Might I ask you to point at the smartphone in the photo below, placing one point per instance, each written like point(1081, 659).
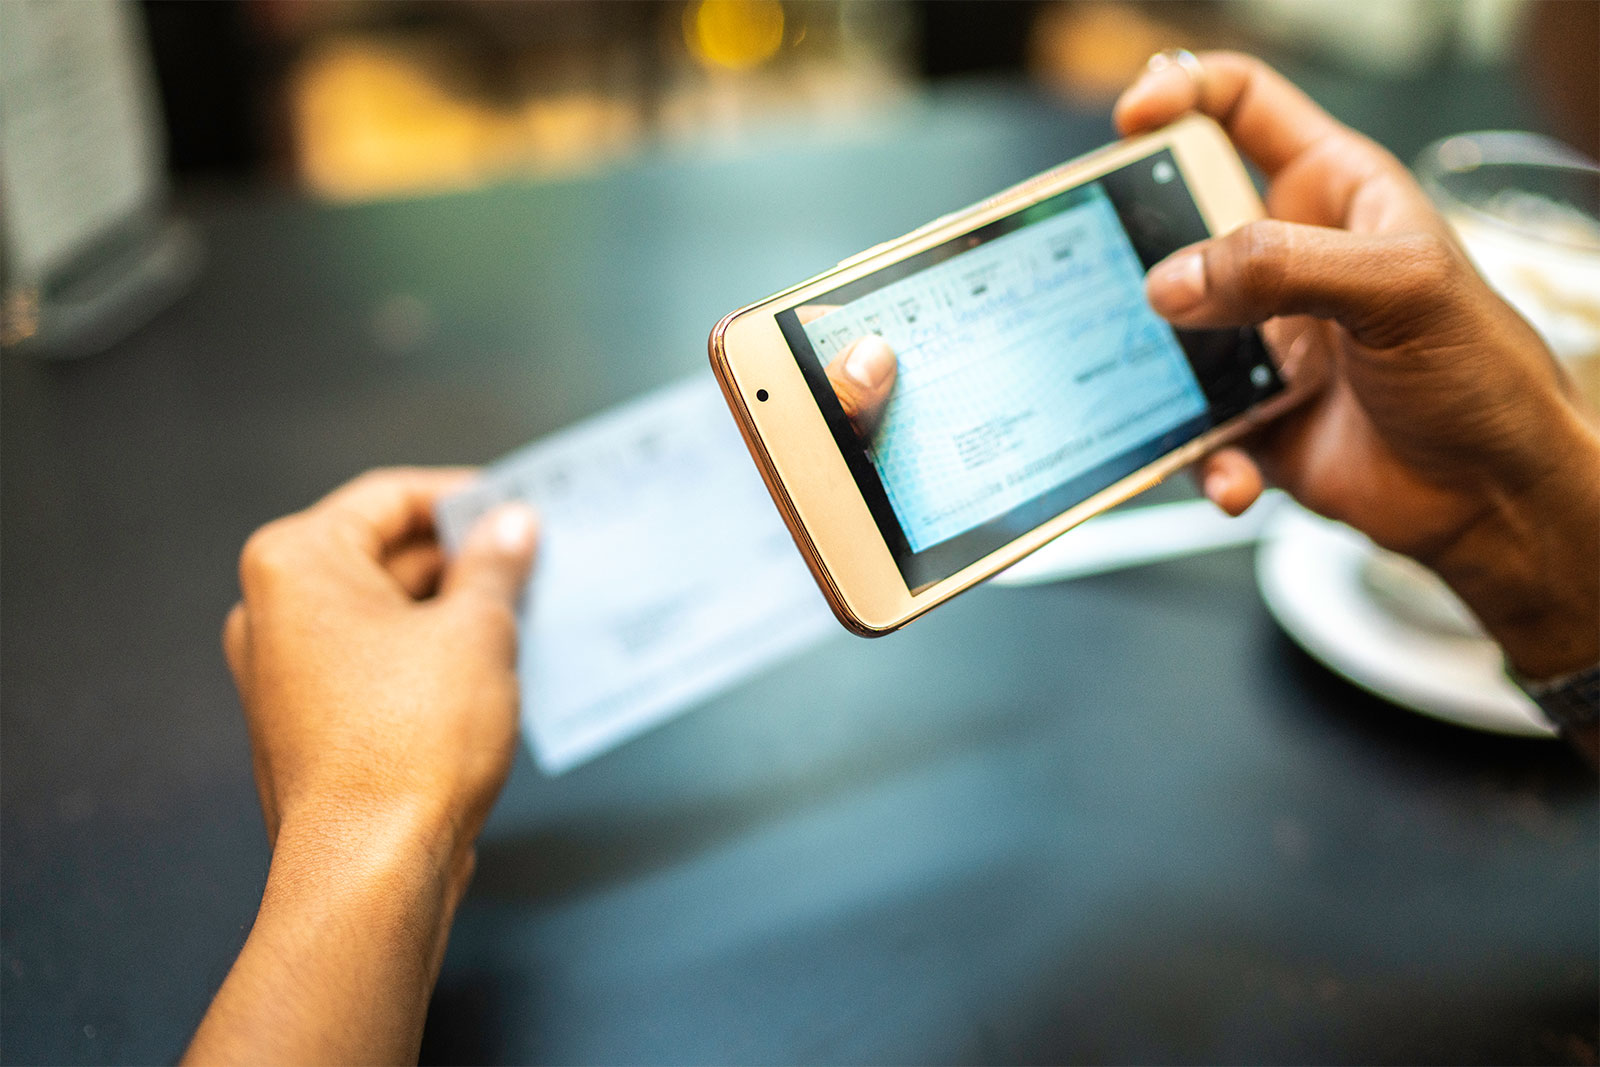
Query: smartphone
point(1035, 386)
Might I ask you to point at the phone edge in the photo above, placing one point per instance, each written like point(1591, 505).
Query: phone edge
point(1146, 477)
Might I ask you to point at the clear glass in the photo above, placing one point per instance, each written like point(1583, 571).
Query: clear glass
point(1527, 210)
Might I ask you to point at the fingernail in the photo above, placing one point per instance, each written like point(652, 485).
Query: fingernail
point(514, 528)
point(1156, 72)
point(1177, 283)
point(870, 362)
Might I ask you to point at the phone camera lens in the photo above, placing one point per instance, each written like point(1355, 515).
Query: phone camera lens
point(1163, 172)
point(761, 395)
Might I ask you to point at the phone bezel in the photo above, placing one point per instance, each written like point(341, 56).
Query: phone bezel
point(800, 461)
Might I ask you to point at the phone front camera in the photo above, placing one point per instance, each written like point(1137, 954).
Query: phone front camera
point(761, 395)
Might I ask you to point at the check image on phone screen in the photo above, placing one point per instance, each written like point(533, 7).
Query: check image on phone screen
point(1032, 371)
point(986, 413)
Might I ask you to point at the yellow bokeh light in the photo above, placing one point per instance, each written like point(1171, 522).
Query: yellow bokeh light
point(734, 34)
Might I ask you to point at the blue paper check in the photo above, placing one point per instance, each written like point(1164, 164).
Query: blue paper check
point(665, 575)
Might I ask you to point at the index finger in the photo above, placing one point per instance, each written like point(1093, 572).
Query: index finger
point(1266, 116)
point(385, 508)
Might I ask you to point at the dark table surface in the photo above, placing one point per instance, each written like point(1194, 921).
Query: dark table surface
point(1118, 819)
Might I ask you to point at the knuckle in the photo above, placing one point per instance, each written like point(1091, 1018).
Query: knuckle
point(269, 554)
point(1241, 69)
point(1429, 266)
point(1423, 273)
point(1244, 62)
point(1257, 260)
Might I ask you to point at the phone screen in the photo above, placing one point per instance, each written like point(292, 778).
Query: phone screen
point(1032, 371)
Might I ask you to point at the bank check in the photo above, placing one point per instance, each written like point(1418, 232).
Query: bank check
point(664, 574)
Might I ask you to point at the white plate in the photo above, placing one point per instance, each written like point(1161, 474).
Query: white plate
point(1310, 572)
point(1134, 537)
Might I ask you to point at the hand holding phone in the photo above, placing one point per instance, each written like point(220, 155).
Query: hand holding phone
point(1031, 386)
point(1445, 429)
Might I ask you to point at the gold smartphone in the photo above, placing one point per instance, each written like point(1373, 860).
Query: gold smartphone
point(1034, 385)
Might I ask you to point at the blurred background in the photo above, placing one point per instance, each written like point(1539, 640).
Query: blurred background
point(360, 99)
point(294, 240)
point(106, 105)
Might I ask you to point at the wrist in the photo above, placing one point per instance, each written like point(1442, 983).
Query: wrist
point(342, 959)
point(402, 870)
point(334, 817)
point(1529, 567)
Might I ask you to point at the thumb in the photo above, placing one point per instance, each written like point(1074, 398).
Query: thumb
point(1385, 289)
point(493, 564)
point(862, 377)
